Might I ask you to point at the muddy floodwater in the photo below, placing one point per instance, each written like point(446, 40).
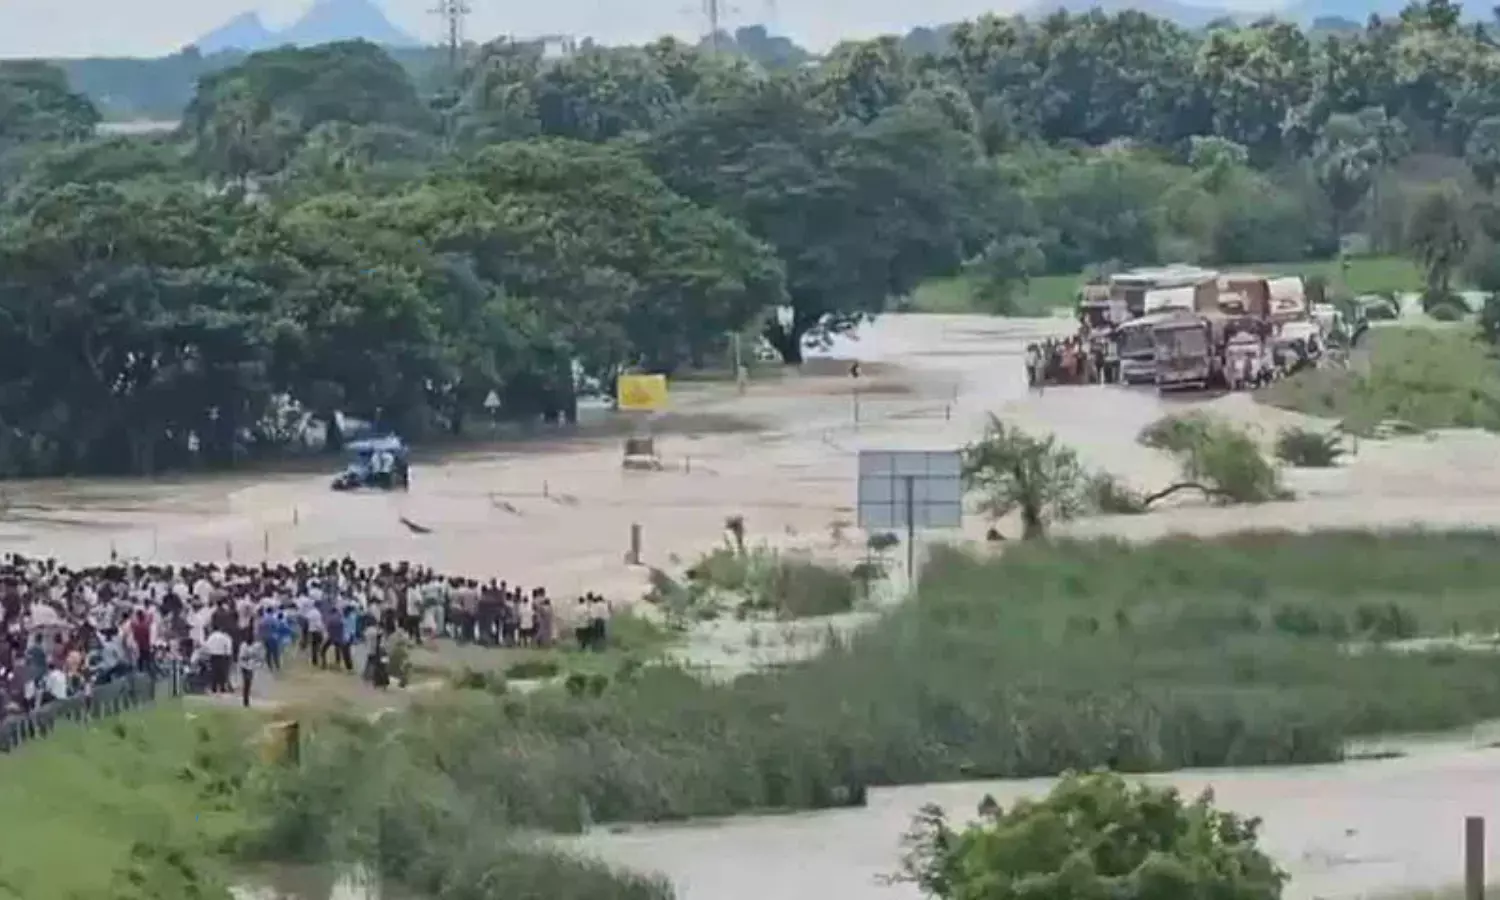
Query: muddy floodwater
point(1353, 830)
point(559, 513)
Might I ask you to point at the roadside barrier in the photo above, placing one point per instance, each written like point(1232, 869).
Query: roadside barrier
point(104, 701)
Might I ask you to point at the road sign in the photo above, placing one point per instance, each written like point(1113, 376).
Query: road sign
point(641, 393)
point(910, 489)
point(492, 401)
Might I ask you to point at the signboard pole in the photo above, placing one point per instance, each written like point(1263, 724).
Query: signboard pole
point(893, 482)
point(911, 532)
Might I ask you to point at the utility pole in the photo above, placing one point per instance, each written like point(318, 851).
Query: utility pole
point(453, 13)
point(711, 10)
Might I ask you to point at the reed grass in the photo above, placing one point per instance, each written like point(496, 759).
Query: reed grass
point(1059, 655)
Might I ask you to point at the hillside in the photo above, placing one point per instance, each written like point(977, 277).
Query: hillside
point(325, 22)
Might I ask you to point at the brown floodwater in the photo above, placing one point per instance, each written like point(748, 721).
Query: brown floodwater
point(561, 516)
point(1351, 830)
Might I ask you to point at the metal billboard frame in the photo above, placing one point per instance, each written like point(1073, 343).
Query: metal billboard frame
point(910, 489)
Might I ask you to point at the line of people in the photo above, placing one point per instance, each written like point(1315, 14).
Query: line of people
point(66, 629)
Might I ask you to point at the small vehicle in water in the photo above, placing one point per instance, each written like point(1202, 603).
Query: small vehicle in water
point(379, 462)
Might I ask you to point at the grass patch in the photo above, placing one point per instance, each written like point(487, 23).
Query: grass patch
point(142, 806)
point(1427, 378)
point(1058, 655)
point(1379, 274)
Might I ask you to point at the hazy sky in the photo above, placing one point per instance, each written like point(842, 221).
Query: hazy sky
point(154, 27)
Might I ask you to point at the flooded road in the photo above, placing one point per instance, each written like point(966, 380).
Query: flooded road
point(560, 514)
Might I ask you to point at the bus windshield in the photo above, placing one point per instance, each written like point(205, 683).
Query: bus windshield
point(1182, 340)
point(1135, 342)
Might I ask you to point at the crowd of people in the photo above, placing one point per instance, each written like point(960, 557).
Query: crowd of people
point(1075, 359)
point(69, 630)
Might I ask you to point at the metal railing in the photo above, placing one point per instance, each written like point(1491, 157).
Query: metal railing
point(106, 700)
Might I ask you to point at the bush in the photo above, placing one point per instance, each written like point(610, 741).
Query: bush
point(467, 679)
point(1216, 455)
point(1093, 836)
point(1308, 449)
point(1178, 433)
point(1109, 495)
point(533, 669)
point(767, 581)
point(1431, 378)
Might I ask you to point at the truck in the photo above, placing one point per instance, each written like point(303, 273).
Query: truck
point(1187, 350)
point(1144, 291)
point(1137, 349)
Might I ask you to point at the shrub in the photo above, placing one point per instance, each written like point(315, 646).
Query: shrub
point(1110, 495)
point(1215, 455)
point(764, 580)
point(1093, 836)
point(1308, 449)
point(533, 669)
point(1385, 621)
point(800, 588)
point(1177, 433)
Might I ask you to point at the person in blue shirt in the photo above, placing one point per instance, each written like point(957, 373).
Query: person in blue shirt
point(269, 632)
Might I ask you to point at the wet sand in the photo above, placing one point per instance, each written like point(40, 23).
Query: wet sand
point(561, 516)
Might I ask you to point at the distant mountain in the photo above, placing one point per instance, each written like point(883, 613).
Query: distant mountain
point(245, 30)
point(327, 21)
point(345, 20)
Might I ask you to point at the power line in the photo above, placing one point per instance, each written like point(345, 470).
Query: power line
point(453, 13)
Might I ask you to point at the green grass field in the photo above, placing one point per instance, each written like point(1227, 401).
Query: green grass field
point(1368, 275)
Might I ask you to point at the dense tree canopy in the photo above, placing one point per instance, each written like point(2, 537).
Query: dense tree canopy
point(337, 230)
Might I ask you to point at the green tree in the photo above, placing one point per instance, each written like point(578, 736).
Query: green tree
point(37, 105)
point(1482, 151)
point(251, 118)
point(1093, 836)
point(857, 211)
point(1003, 272)
point(1346, 159)
point(1013, 471)
point(1437, 235)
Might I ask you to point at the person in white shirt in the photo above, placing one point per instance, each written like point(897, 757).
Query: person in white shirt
point(56, 684)
point(251, 659)
point(219, 647)
point(316, 635)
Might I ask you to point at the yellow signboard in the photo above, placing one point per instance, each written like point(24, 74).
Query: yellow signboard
point(641, 393)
